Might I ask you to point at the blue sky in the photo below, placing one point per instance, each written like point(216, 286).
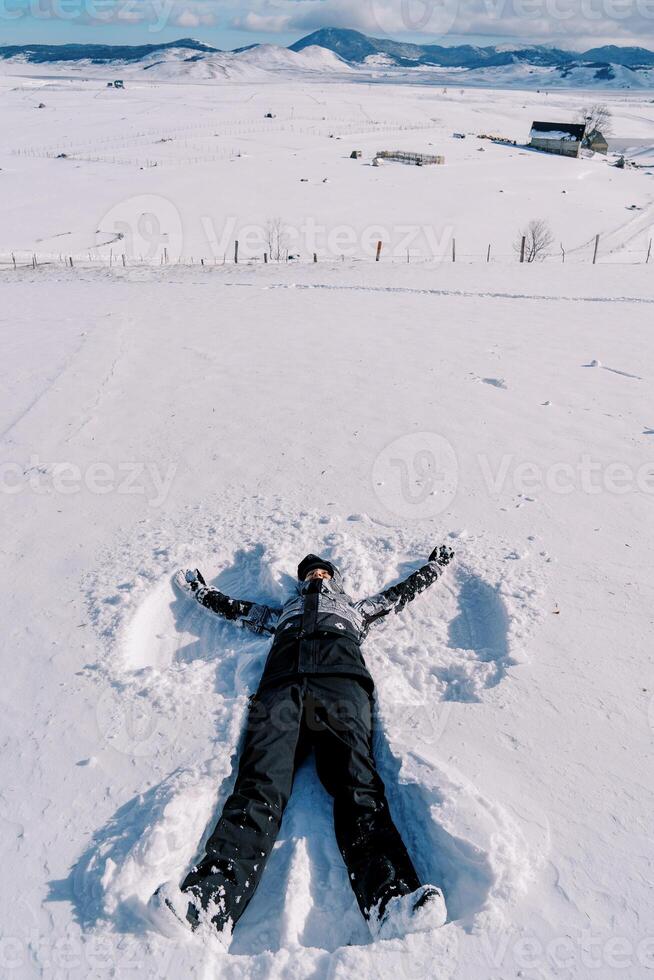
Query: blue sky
point(232, 23)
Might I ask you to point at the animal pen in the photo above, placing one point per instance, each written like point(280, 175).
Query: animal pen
point(416, 159)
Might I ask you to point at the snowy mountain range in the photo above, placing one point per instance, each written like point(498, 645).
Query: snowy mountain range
point(332, 50)
point(355, 47)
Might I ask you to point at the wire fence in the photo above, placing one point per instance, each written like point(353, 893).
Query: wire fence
point(590, 253)
point(180, 146)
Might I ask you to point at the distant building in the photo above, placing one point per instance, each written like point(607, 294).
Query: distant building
point(596, 142)
point(553, 137)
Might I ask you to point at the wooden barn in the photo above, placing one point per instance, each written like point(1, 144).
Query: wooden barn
point(554, 137)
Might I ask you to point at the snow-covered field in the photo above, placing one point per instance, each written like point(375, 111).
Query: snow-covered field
point(236, 417)
point(185, 169)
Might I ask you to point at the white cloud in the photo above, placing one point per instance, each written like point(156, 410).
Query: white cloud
point(192, 14)
point(563, 22)
point(263, 23)
point(187, 19)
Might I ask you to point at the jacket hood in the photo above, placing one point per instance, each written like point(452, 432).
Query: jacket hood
point(310, 562)
point(334, 584)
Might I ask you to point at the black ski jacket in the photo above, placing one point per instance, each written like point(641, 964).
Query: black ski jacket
point(319, 629)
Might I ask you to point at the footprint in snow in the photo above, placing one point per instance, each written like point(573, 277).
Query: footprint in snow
point(493, 382)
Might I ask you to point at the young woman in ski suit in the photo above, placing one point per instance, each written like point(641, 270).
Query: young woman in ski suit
point(315, 692)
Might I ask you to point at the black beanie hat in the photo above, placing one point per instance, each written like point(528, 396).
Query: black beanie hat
point(309, 563)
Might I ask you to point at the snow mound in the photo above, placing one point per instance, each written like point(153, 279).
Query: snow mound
point(178, 65)
point(249, 65)
point(272, 57)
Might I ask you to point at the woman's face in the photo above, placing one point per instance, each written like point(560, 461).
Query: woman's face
point(317, 573)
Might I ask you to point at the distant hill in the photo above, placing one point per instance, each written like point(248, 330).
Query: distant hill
point(630, 57)
point(356, 47)
point(332, 51)
point(98, 54)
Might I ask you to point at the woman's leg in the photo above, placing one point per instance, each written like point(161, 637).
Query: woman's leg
point(339, 722)
point(238, 849)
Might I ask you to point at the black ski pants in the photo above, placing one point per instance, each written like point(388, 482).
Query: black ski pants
point(332, 715)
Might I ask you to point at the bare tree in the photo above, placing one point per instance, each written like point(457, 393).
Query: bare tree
point(277, 239)
point(598, 119)
point(538, 238)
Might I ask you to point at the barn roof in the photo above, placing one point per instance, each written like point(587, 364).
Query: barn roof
point(558, 131)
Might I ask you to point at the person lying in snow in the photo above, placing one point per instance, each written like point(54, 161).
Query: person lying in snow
point(315, 692)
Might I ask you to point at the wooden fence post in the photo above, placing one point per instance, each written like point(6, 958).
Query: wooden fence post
point(523, 244)
point(13, 259)
point(488, 254)
point(265, 258)
point(315, 257)
point(597, 238)
point(236, 252)
point(124, 261)
point(454, 249)
point(379, 248)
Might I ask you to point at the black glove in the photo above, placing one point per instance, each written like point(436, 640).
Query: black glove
point(442, 554)
point(190, 580)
